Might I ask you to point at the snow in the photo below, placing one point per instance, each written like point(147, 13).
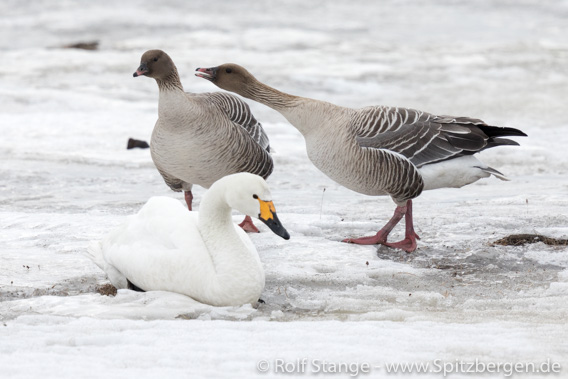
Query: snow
point(67, 179)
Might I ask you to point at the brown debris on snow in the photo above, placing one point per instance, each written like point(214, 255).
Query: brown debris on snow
point(523, 239)
point(91, 45)
point(107, 290)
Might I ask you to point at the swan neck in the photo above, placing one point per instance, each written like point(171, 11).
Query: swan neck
point(229, 255)
point(214, 213)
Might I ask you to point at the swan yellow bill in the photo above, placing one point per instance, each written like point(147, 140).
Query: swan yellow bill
point(267, 209)
point(269, 217)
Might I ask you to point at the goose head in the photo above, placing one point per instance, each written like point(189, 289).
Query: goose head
point(228, 76)
point(155, 64)
point(249, 194)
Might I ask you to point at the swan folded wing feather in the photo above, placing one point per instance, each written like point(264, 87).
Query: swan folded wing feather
point(240, 114)
point(143, 248)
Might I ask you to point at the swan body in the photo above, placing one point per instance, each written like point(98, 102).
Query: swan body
point(199, 254)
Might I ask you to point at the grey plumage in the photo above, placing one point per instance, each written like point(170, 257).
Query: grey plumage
point(200, 138)
point(222, 138)
point(378, 150)
point(424, 138)
point(240, 114)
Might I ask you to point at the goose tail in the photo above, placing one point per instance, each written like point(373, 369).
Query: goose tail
point(497, 131)
point(496, 173)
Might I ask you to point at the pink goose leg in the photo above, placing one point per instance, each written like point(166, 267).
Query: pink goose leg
point(408, 244)
point(188, 198)
point(248, 226)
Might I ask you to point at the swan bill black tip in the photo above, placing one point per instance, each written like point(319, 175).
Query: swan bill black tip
point(274, 224)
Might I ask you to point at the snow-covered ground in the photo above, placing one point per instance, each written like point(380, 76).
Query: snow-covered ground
point(67, 179)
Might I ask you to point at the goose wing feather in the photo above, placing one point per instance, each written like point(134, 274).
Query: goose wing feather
point(240, 114)
point(422, 137)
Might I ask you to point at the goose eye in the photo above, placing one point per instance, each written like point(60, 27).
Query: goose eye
point(155, 59)
point(254, 196)
point(228, 71)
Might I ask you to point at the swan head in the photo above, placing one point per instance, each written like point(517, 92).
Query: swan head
point(249, 194)
point(228, 76)
point(155, 64)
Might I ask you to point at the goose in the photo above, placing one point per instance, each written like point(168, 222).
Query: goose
point(203, 255)
point(378, 150)
point(200, 138)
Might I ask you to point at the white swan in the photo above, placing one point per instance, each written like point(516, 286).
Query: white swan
point(199, 254)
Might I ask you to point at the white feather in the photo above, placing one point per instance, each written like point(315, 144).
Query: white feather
point(202, 255)
point(453, 173)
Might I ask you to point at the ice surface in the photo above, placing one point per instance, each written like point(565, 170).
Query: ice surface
point(67, 179)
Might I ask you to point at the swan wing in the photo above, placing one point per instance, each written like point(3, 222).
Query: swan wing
point(159, 248)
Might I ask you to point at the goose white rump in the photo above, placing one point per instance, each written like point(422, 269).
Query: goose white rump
point(202, 255)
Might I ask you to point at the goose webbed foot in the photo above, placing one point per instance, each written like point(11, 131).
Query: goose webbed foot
point(248, 225)
point(408, 244)
point(380, 237)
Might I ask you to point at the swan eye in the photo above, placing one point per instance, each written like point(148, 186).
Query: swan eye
point(254, 196)
point(228, 70)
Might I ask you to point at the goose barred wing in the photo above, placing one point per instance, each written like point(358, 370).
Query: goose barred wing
point(424, 138)
point(240, 114)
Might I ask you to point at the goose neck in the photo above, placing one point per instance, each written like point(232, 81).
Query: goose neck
point(307, 115)
point(171, 82)
point(174, 106)
point(269, 96)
